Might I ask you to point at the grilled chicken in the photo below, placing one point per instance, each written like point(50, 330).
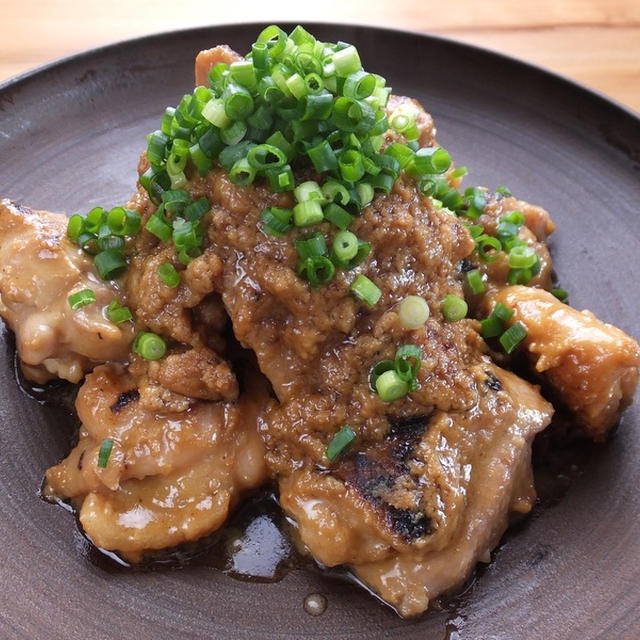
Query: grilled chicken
point(172, 475)
point(39, 269)
point(592, 365)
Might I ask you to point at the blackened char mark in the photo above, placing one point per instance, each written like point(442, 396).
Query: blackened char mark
point(492, 382)
point(124, 399)
point(381, 476)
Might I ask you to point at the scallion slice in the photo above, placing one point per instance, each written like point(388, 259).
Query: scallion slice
point(390, 386)
point(365, 290)
point(116, 313)
point(109, 264)
point(81, 299)
point(168, 274)
point(453, 308)
point(474, 279)
point(340, 443)
point(512, 337)
point(104, 453)
point(413, 312)
point(149, 345)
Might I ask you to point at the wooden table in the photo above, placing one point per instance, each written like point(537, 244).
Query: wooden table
point(596, 42)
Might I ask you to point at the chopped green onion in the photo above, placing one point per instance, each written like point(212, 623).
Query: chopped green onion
point(522, 257)
point(81, 299)
point(157, 226)
point(276, 220)
point(316, 269)
point(196, 210)
point(365, 290)
point(337, 216)
point(488, 247)
point(431, 160)
point(346, 61)
point(307, 213)
point(390, 386)
point(378, 369)
point(453, 308)
point(561, 294)
point(335, 192)
point(75, 226)
point(413, 312)
point(109, 264)
point(238, 103)
point(168, 274)
point(104, 452)
point(493, 326)
point(339, 443)
point(502, 311)
point(309, 190)
point(242, 173)
point(123, 222)
point(512, 337)
point(405, 369)
point(459, 172)
point(504, 191)
point(149, 345)
point(345, 246)
point(116, 313)
point(311, 245)
point(474, 280)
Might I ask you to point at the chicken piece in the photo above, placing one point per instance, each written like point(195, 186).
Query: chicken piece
point(413, 514)
point(40, 269)
point(171, 476)
point(533, 233)
point(592, 365)
point(536, 219)
point(208, 58)
point(317, 346)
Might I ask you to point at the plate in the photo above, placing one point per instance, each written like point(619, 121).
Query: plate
point(70, 135)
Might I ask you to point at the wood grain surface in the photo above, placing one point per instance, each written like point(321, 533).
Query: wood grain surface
point(596, 42)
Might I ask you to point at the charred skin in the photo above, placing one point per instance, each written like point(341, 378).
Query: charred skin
point(381, 476)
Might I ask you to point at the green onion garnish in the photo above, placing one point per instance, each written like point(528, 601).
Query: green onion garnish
point(390, 386)
point(474, 279)
point(149, 346)
point(512, 337)
point(123, 222)
point(116, 313)
point(109, 264)
point(413, 312)
point(317, 270)
point(365, 290)
point(407, 364)
point(105, 452)
point(453, 308)
point(493, 326)
point(345, 246)
point(561, 294)
point(81, 299)
point(276, 220)
point(504, 191)
point(339, 443)
point(293, 100)
point(168, 274)
point(522, 257)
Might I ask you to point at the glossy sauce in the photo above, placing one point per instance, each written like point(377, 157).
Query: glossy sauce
point(259, 544)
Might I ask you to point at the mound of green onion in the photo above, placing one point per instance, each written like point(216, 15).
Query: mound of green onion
point(295, 102)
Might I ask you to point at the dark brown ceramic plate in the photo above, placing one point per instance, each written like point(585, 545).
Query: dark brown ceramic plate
point(70, 135)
